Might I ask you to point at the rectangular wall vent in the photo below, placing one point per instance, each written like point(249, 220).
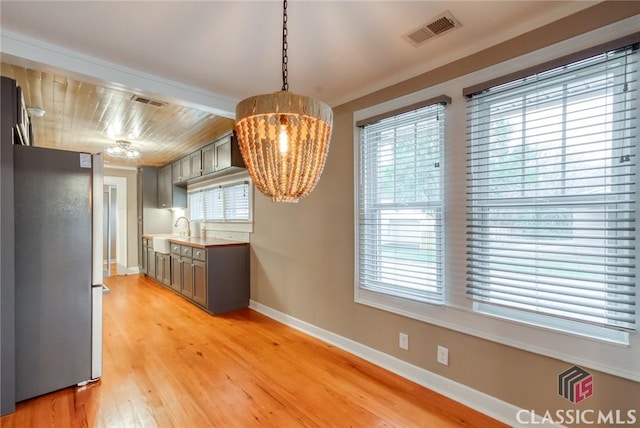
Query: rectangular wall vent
point(143, 100)
point(435, 27)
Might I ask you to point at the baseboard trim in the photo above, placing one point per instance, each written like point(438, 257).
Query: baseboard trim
point(133, 270)
point(491, 406)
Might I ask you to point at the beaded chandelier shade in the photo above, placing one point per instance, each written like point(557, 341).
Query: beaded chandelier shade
point(284, 138)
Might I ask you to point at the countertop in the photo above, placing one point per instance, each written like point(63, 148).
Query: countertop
point(196, 242)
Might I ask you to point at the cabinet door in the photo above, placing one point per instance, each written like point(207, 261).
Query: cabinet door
point(165, 187)
point(143, 257)
point(176, 273)
point(166, 269)
point(187, 277)
point(159, 266)
point(185, 165)
point(151, 263)
point(195, 162)
point(222, 150)
point(208, 159)
point(176, 172)
point(200, 282)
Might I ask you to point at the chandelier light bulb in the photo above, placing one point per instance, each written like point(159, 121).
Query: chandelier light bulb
point(284, 140)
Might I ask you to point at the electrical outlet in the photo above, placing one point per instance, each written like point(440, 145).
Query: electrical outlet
point(404, 341)
point(443, 355)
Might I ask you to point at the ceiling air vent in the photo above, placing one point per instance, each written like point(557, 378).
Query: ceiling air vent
point(435, 27)
point(143, 100)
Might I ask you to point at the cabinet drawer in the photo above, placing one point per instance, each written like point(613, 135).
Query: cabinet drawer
point(144, 242)
point(150, 243)
point(200, 254)
point(176, 249)
point(186, 251)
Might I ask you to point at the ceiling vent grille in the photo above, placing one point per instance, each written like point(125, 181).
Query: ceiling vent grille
point(435, 27)
point(143, 100)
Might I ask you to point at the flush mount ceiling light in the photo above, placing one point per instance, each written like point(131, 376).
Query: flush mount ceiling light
point(121, 149)
point(35, 111)
point(284, 137)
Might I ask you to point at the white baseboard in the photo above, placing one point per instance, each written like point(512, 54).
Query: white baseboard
point(484, 403)
point(133, 270)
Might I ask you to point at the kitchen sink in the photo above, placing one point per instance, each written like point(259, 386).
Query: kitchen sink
point(161, 244)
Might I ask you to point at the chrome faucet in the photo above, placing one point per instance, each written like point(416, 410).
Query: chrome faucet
point(188, 224)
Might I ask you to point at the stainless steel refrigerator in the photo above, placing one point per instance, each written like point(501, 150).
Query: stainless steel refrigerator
point(58, 260)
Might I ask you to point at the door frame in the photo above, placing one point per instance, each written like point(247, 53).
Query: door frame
point(120, 184)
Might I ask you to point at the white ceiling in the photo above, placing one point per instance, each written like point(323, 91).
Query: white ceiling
point(211, 54)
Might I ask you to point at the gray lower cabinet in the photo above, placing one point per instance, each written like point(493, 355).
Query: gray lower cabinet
point(143, 256)
point(163, 268)
point(176, 273)
point(151, 260)
point(187, 277)
point(227, 278)
point(200, 283)
point(215, 278)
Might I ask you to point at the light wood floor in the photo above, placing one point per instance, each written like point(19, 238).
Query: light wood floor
point(170, 364)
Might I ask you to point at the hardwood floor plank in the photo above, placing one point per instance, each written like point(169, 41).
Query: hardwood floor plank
point(168, 363)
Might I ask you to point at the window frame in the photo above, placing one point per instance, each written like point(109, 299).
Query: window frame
point(481, 115)
point(398, 295)
point(617, 356)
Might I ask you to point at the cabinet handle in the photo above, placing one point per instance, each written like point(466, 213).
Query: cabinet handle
point(198, 253)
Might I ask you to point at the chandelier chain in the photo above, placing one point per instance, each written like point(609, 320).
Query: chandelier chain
point(285, 58)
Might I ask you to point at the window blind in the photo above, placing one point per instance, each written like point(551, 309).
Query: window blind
point(196, 206)
point(551, 192)
point(221, 203)
point(400, 224)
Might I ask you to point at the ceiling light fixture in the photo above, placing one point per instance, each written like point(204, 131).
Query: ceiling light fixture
point(35, 111)
point(121, 149)
point(284, 137)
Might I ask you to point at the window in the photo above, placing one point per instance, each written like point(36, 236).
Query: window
point(522, 171)
point(551, 194)
point(400, 224)
point(222, 203)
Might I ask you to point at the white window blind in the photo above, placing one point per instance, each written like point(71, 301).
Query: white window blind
point(552, 162)
point(196, 206)
point(221, 203)
point(400, 225)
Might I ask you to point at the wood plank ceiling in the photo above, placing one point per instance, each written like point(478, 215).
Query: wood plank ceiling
point(85, 117)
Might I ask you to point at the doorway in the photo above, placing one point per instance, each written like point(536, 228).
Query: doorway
point(118, 221)
point(110, 204)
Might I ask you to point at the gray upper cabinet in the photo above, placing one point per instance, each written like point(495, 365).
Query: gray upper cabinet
point(181, 170)
point(195, 164)
point(208, 159)
point(169, 194)
point(185, 165)
point(221, 155)
point(176, 172)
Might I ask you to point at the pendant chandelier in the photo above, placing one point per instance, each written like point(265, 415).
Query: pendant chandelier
point(284, 137)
